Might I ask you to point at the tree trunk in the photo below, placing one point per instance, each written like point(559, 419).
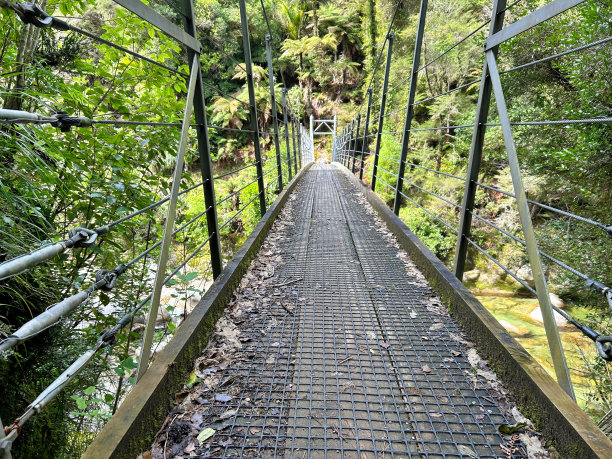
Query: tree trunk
point(372, 31)
point(25, 55)
point(315, 17)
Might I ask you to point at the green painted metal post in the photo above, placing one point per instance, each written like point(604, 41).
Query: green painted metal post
point(473, 170)
point(383, 103)
point(311, 133)
point(287, 132)
point(356, 144)
point(416, 62)
point(166, 242)
point(350, 142)
point(365, 133)
point(208, 187)
point(552, 332)
point(246, 44)
point(279, 165)
point(298, 130)
point(293, 137)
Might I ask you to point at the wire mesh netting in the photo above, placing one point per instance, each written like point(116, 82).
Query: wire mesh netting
point(352, 355)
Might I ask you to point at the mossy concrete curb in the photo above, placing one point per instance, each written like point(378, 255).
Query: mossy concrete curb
point(540, 398)
point(131, 430)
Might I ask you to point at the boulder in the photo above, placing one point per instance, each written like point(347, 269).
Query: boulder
point(525, 274)
point(556, 300)
point(471, 276)
point(536, 315)
point(513, 328)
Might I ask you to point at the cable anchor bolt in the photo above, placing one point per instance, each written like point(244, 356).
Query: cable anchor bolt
point(32, 13)
point(64, 122)
point(82, 237)
point(604, 347)
point(109, 277)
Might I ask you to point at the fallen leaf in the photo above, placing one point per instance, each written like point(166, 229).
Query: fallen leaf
point(222, 398)
point(384, 344)
point(228, 414)
point(197, 419)
point(413, 315)
point(190, 448)
point(206, 434)
point(466, 450)
point(436, 326)
point(510, 429)
point(425, 338)
point(435, 415)
point(193, 380)
point(254, 431)
point(426, 369)
point(455, 353)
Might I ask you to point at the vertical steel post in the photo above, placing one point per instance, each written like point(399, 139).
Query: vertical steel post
point(356, 143)
point(279, 165)
point(341, 145)
point(552, 332)
point(298, 130)
point(416, 62)
point(287, 132)
point(335, 131)
point(381, 114)
point(312, 134)
point(164, 250)
point(350, 143)
point(246, 45)
point(295, 166)
point(473, 170)
point(365, 134)
point(334, 150)
point(208, 186)
point(347, 143)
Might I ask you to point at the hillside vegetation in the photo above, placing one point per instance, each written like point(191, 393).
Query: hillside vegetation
point(325, 54)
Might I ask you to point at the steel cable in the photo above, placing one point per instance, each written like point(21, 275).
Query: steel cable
point(106, 339)
point(606, 228)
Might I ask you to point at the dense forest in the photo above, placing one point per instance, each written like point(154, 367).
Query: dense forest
point(326, 54)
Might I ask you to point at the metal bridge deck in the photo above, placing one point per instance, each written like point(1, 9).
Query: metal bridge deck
point(353, 357)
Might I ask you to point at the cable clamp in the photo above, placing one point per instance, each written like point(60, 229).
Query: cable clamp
point(31, 13)
point(63, 121)
point(108, 277)
point(82, 237)
point(108, 336)
point(600, 288)
point(604, 347)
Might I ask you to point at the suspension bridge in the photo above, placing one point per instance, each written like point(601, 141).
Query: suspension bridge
point(358, 342)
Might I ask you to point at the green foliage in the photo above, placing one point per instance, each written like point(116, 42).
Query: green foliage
point(51, 181)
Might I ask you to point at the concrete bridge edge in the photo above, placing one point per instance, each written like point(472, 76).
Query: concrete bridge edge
point(131, 430)
point(562, 422)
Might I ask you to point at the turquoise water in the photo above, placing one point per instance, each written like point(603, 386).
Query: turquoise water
point(532, 337)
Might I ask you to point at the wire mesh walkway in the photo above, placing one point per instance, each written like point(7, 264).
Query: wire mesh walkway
point(352, 354)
